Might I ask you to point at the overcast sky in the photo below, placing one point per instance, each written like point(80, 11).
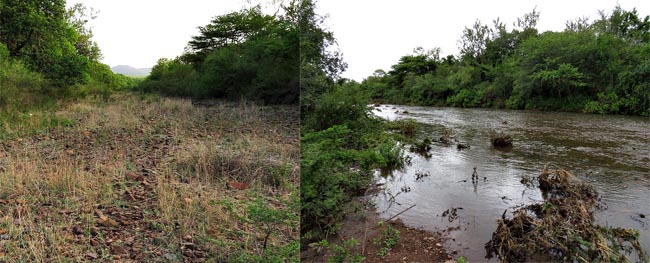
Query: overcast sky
point(139, 32)
point(372, 34)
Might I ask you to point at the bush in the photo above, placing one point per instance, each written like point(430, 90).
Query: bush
point(20, 87)
point(172, 78)
point(343, 106)
point(328, 181)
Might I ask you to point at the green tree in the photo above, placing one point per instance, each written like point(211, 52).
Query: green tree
point(38, 32)
point(243, 54)
point(320, 66)
point(226, 30)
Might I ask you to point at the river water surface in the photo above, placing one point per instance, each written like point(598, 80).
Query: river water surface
point(610, 152)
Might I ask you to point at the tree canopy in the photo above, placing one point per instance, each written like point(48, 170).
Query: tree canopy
point(243, 54)
point(587, 67)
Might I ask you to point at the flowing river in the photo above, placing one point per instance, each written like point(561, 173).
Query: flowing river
point(610, 152)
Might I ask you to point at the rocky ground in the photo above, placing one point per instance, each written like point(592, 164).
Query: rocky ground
point(150, 179)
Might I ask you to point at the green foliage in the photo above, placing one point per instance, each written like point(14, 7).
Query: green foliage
point(19, 87)
point(407, 127)
point(172, 78)
point(388, 239)
point(340, 143)
point(598, 67)
point(38, 32)
point(42, 36)
point(343, 253)
point(327, 182)
point(342, 106)
point(243, 54)
point(319, 66)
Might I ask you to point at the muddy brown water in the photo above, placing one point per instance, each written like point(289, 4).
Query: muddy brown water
point(610, 152)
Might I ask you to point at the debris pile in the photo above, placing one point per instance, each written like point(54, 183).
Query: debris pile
point(501, 140)
point(447, 137)
point(562, 228)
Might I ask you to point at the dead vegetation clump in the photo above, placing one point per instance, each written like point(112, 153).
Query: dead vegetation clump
point(406, 127)
point(501, 140)
point(562, 227)
point(448, 137)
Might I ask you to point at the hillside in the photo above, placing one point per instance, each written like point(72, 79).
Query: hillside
point(131, 71)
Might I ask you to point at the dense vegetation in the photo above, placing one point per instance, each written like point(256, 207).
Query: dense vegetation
point(48, 49)
point(47, 55)
point(600, 67)
point(244, 54)
point(341, 143)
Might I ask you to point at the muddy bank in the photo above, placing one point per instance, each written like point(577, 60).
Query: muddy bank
point(370, 233)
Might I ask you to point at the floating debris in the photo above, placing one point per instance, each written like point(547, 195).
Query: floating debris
point(501, 141)
point(419, 175)
point(474, 176)
point(422, 148)
point(451, 214)
point(562, 228)
point(447, 137)
point(462, 146)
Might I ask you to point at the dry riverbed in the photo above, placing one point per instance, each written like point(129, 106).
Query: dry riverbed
point(150, 179)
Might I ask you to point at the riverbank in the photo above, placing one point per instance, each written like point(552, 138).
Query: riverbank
point(370, 232)
point(144, 178)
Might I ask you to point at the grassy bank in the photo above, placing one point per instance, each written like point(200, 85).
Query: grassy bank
point(144, 178)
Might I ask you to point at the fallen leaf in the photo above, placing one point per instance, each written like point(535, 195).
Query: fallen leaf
point(237, 185)
point(92, 255)
point(20, 212)
point(188, 253)
point(118, 250)
point(133, 176)
point(109, 223)
point(66, 211)
point(77, 230)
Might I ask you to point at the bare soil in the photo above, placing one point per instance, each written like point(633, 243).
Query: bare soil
point(365, 226)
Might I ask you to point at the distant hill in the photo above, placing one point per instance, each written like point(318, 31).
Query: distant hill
point(131, 71)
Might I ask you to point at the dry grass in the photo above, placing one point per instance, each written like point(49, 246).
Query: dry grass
point(145, 179)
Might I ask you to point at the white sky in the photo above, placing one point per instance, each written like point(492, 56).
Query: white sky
point(374, 34)
point(139, 32)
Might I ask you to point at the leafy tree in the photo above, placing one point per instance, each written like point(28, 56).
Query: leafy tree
point(226, 30)
point(627, 25)
point(474, 42)
point(320, 67)
point(39, 33)
point(243, 54)
point(78, 17)
point(591, 66)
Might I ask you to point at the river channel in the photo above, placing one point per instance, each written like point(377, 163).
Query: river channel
point(610, 152)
